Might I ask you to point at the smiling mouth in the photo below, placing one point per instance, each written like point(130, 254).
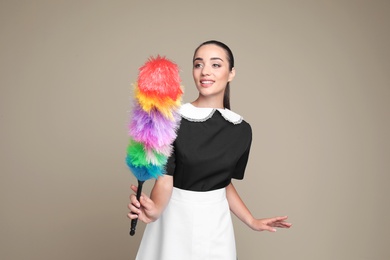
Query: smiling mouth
point(206, 82)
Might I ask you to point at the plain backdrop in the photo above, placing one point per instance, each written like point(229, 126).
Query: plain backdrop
point(312, 78)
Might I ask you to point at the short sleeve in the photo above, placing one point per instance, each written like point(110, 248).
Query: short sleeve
point(171, 164)
point(241, 165)
point(242, 162)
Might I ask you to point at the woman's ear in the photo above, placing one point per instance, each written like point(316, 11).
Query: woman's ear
point(232, 73)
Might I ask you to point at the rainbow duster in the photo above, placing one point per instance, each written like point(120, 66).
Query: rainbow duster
point(154, 122)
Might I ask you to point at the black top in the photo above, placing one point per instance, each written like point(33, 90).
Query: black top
point(208, 154)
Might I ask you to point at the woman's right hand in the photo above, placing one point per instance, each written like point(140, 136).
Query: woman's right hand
point(144, 210)
point(149, 209)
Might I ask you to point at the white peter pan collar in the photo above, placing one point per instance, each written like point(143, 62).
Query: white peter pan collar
point(201, 114)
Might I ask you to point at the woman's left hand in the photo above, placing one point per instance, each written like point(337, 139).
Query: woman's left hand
point(270, 224)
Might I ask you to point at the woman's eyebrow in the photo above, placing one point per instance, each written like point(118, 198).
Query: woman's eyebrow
point(214, 58)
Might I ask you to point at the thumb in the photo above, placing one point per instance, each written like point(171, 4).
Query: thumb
point(270, 229)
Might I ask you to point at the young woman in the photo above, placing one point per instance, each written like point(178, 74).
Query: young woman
point(188, 211)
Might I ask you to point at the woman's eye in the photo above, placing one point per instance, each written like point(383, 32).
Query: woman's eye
point(216, 65)
point(198, 65)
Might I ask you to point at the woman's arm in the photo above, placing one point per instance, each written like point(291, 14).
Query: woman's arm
point(149, 209)
point(238, 207)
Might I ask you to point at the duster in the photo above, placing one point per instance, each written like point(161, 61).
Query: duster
point(154, 120)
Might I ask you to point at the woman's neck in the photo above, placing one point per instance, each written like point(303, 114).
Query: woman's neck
point(208, 102)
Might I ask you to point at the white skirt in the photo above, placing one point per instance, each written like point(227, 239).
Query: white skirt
point(194, 226)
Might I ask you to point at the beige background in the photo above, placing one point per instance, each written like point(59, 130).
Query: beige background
point(313, 79)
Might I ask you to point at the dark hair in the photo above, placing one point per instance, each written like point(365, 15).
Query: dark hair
point(229, 53)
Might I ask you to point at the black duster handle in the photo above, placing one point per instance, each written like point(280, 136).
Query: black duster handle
point(134, 221)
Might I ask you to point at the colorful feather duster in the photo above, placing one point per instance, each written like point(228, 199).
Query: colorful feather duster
point(154, 122)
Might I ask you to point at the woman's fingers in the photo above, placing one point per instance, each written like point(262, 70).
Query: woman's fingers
point(270, 224)
point(134, 209)
point(275, 219)
point(134, 205)
point(279, 222)
point(134, 188)
point(132, 216)
point(269, 228)
point(282, 225)
point(134, 201)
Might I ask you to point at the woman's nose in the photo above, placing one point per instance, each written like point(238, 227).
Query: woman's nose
point(206, 70)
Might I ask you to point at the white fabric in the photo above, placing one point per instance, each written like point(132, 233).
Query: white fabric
point(194, 226)
point(201, 114)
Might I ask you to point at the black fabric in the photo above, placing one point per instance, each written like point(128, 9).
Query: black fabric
point(207, 155)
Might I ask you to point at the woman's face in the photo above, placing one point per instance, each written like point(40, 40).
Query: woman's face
point(211, 70)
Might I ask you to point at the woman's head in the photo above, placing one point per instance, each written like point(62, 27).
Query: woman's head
point(213, 69)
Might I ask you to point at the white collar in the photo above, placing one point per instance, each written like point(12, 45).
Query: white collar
point(200, 114)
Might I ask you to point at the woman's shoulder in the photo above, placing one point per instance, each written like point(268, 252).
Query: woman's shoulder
point(239, 120)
